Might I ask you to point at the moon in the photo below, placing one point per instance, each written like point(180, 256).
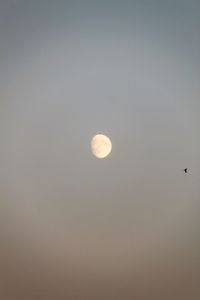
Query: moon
point(101, 146)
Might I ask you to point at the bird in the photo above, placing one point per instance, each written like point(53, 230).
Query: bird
point(185, 170)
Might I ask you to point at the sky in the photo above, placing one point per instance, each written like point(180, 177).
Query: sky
point(73, 226)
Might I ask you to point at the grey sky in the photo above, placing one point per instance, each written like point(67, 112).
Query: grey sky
point(69, 70)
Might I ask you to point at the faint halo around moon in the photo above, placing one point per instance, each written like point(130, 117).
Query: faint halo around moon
point(101, 146)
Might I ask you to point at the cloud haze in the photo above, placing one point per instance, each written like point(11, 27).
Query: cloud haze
point(75, 227)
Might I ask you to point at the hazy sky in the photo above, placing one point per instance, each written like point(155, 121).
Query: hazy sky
point(75, 227)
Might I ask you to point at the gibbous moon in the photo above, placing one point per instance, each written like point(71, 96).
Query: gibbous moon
point(101, 146)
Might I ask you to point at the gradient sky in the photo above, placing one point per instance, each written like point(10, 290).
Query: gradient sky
point(75, 227)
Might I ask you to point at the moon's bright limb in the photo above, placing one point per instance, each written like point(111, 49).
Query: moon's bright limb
point(101, 146)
